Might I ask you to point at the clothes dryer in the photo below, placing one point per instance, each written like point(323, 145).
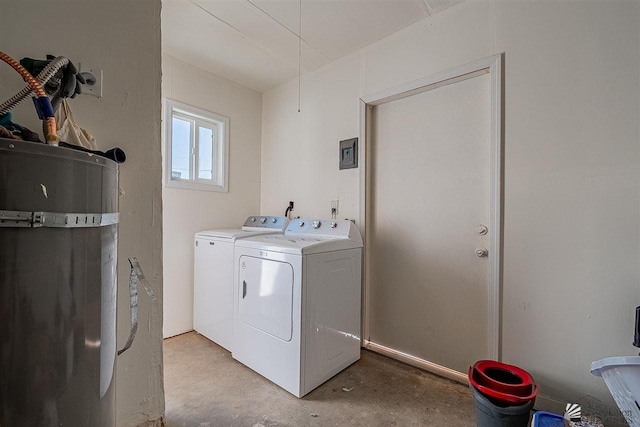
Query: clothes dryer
point(213, 275)
point(297, 303)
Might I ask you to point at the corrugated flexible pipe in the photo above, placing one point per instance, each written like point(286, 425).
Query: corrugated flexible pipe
point(45, 75)
point(43, 104)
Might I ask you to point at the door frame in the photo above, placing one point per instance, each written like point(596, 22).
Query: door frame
point(491, 65)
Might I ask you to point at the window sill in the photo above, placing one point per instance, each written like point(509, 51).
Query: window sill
point(189, 185)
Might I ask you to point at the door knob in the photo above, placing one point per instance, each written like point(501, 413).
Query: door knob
point(482, 252)
point(482, 230)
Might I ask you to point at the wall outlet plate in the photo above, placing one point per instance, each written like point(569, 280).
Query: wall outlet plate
point(349, 153)
point(92, 89)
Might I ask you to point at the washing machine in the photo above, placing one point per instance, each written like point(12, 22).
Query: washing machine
point(297, 303)
point(213, 275)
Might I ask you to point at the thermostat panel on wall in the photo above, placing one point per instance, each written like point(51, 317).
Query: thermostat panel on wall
point(349, 153)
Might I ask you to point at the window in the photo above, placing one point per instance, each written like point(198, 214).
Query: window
point(197, 149)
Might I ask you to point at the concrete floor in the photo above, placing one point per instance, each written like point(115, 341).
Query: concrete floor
point(205, 387)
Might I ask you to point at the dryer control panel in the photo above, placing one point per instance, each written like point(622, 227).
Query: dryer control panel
point(336, 228)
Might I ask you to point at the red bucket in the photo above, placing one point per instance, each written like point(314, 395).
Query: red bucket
point(504, 384)
point(502, 377)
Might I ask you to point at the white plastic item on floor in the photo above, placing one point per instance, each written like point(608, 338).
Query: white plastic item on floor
point(622, 376)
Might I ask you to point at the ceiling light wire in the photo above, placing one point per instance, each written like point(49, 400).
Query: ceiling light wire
point(274, 19)
point(299, 51)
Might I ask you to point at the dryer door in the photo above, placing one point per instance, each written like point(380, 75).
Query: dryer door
point(266, 296)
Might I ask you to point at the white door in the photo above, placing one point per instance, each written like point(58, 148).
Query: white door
point(429, 275)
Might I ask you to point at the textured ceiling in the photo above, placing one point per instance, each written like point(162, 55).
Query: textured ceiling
point(255, 42)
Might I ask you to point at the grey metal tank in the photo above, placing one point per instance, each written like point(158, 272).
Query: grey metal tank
point(58, 247)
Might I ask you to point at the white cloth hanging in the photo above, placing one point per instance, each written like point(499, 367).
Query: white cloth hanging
point(68, 129)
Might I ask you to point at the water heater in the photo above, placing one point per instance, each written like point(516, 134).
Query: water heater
point(58, 256)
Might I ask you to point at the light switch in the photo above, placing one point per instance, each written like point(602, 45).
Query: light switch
point(349, 153)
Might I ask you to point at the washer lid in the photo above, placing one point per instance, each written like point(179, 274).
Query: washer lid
point(232, 234)
point(253, 226)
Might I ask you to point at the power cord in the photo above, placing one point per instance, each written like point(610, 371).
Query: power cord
point(289, 209)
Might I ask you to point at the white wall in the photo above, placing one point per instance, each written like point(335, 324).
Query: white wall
point(300, 150)
point(123, 39)
point(188, 211)
point(572, 187)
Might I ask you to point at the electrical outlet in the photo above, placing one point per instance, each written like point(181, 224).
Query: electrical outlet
point(334, 208)
point(94, 89)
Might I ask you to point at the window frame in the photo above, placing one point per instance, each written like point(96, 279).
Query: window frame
point(197, 117)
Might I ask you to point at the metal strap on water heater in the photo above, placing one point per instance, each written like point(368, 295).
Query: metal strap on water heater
point(136, 276)
point(25, 219)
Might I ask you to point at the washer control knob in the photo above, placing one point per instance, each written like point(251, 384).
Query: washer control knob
point(263, 220)
point(274, 220)
point(333, 224)
point(316, 224)
point(301, 224)
point(253, 219)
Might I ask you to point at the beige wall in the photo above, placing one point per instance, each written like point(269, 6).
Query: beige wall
point(123, 39)
point(188, 211)
point(300, 150)
point(572, 187)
